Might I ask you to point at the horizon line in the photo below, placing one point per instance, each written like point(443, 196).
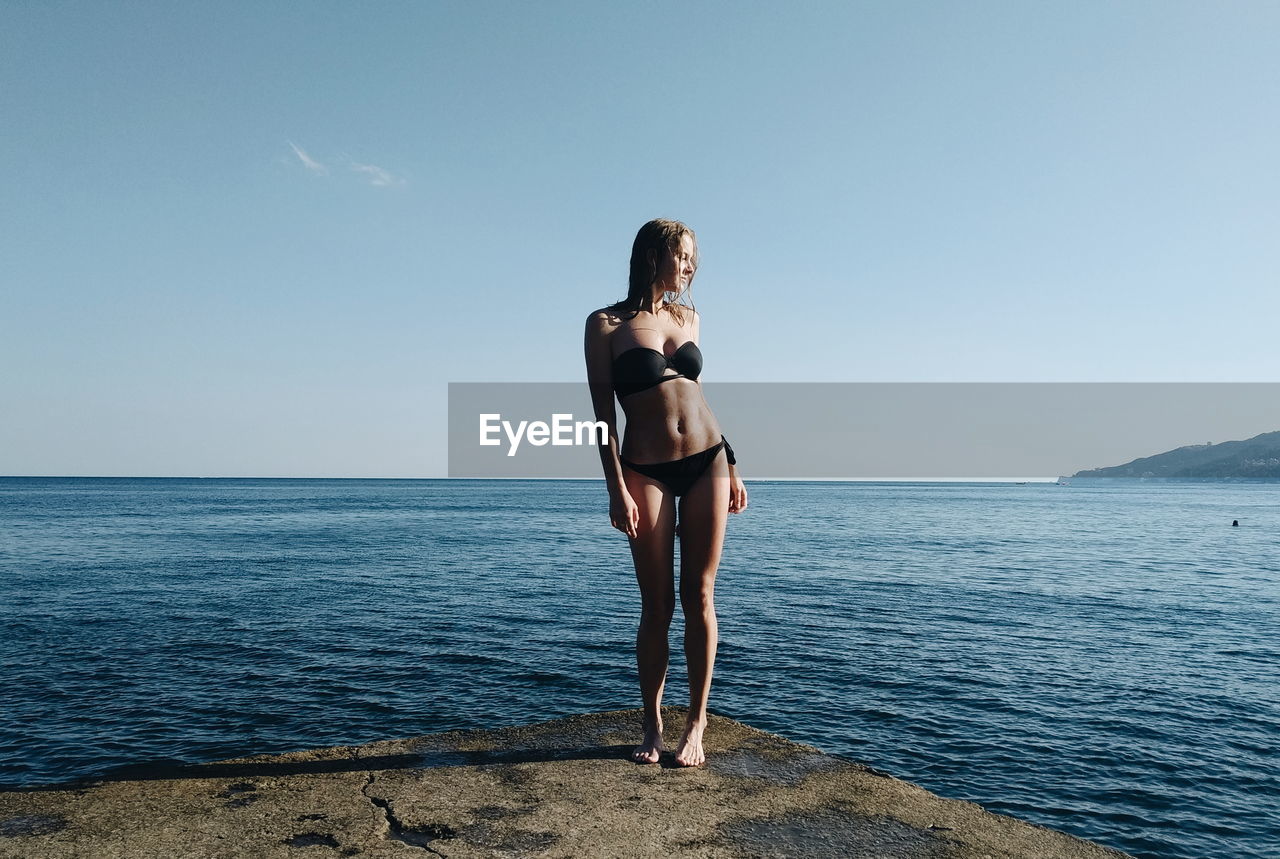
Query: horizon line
point(1037, 479)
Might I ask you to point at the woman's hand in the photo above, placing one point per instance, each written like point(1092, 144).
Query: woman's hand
point(623, 513)
point(737, 491)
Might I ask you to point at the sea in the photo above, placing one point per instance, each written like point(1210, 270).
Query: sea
point(1101, 657)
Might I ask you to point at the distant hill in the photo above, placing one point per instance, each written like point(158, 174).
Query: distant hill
point(1255, 457)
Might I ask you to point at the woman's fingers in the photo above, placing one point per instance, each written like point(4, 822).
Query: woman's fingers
point(631, 525)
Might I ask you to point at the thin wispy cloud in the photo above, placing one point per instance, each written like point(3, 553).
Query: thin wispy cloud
point(372, 174)
point(307, 161)
point(377, 177)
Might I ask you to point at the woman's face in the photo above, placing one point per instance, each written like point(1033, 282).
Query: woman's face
point(675, 266)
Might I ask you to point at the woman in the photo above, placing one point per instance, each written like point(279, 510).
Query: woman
point(645, 349)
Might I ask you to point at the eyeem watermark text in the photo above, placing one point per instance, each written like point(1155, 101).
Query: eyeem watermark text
point(562, 430)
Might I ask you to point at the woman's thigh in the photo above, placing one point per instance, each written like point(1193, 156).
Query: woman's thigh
point(704, 513)
point(653, 549)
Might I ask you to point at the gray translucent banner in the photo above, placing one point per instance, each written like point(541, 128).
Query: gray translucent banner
point(875, 431)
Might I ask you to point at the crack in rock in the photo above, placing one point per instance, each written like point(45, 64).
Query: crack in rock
point(414, 836)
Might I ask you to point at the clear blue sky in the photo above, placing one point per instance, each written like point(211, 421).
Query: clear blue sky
point(260, 239)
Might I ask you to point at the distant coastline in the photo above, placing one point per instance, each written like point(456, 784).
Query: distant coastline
point(1254, 458)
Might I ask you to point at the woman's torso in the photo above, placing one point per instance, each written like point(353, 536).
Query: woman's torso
point(671, 419)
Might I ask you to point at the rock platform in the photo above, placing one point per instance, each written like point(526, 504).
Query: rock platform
point(565, 788)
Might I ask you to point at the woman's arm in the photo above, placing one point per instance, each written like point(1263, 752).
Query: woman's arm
point(623, 512)
point(737, 489)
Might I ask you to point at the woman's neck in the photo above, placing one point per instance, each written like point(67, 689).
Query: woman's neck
point(658, 300)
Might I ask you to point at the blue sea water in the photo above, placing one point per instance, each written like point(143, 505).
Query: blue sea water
point(1102, 659)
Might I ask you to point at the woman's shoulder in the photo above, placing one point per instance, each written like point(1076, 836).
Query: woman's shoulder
point(603, 322)
point(691, 320)
point(608, 318)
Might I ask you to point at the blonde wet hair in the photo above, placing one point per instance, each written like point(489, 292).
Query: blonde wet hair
point(661, 235)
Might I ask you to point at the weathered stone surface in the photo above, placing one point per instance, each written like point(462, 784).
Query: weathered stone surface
point(560, 789)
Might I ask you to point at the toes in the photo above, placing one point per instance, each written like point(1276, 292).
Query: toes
point(642, 755)
point(690, 756)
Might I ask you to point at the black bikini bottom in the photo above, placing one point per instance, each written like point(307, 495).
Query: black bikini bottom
point(679, 475)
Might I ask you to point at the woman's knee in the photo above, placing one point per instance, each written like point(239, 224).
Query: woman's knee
point(698, 602)
point(658, 610)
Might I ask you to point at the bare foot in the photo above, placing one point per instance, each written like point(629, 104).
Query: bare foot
point(689, 753)
point(650, 749)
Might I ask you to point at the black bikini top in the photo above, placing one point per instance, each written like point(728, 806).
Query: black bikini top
point(640, 369)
